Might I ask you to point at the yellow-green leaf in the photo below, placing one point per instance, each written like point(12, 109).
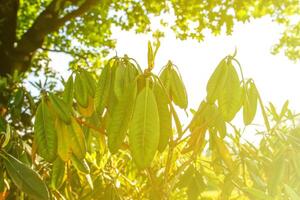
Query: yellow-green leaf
point(250, 103)
point(77, 139)
point(144, 128)
point(165, 117)
point(119, 120)
point(178, 91)
point(90, 82)
point(25, 178)
point(45, 133)
point(61, 108)
point(216, 82)
point(103, 89)
point(229, 99)
point(58, 173)
point(255, 193)
point(80, 165)
point(119, 79)
point(165, 77)
point(291, 192)
point(224, 152)
point(81, 90)
point(68, 94)
point(64, 149)
point(276, 174)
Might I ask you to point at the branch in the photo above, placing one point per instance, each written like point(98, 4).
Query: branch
point(86, 6)
point(47, 22)
point(66, 52)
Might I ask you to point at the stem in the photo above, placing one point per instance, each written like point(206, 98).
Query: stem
point(263, 112)
point(88, 125)
point(169, 162)
point(240, 67)
point(179, 171)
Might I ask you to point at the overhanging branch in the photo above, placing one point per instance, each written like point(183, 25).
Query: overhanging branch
point(47, 22)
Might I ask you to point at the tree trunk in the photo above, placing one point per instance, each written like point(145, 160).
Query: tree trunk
point(8, 24)
point(17, 55)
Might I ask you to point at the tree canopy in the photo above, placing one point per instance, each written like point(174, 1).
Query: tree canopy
point(83, 28)
point(112, 130)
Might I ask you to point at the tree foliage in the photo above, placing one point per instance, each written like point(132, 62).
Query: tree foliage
point(83, 28)
point(112, 130)
point(117, 135)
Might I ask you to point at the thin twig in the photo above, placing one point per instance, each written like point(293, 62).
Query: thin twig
point(88, 125)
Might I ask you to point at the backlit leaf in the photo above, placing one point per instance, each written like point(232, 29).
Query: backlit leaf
point(229, 100)
point(45, 133)
point(216, 82)
point(81, 90)
point(119, 120)
point(250, 103)
point(25, 178)
point(58, 173)
point(103, 89)
point(178, 91)
point(77, 139)
point(165, 117)
point(68, 94)
point(144, 128)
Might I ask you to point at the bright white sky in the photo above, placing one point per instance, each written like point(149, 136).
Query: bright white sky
point(276, 77)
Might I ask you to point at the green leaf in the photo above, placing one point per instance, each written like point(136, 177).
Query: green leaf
point(80, 165)
point(274, 112)
point(90, 82)
point(25, 178)
point(257, 180)
point(216, 82)
point(186, 178)
point(112, 99)
point(144, 128)
point(276, 173)
point(103, 89)
point(124, 76)
point(81, 90)
point(291, 193)
point(255, 193)
point(165, 77)
point(176, 120)
point(58, 173)
point(263, 111)
point(78, 144)
point(284, 109)
point(120, 117)
point(165, 117)
point(224, 152)
point(119, 80)
point(19, 97)
point(60, 108)
point(45, 134)
point(68, 94)
point(229, 100)
point(64, 147)
point(178, 91)
point(194, 189)
point(8, 135)
point(250, 103)
point(89, 110)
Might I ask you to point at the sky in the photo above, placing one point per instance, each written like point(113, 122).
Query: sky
point(277, 78)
